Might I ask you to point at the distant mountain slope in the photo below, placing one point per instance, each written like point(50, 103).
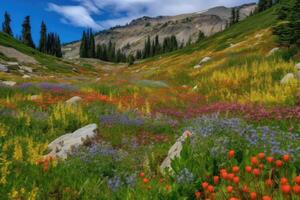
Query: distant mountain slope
point(184, 26)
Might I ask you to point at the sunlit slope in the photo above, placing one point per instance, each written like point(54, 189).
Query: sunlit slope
point(241, 68)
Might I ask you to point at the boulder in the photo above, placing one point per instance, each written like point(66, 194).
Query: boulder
point(197, 66)
point(287, 78)
point(26, 76)
point(34, 97)
point(272, 51)
point(9, 83)
point(298, 66)
point(74, 100)
point(205, 59)
point(26, 69)
point(175, 151)
point(63, 145)
point(12, 65)
point(3, 68)
point(195, 88)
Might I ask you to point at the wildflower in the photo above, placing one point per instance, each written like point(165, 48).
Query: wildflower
point(261, 166)
point(229, 189)
point(235, 169)
point(210, 188)
point(283, 181)
point(146, 180)
point(224, 175)
point(297, 180)
point(286, 189)
point(142, 174)
point(286, 158)
point(236, 180)
point(256, 172)
point(296, 189)
point(254, 160)
point(261, 156)
point(279, 163)
point(216, 180)
point(270, 159)
point(266, 198)
point(253, 195)
point(245, 189)
point(168, 187)
point(248, 169)
point(230, 176)
point(269, 182)
point(231, 154)
point(197, 195)
point(204, 185)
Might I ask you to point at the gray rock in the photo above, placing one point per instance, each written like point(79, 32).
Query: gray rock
point(12, 65)
point(204, 60)
point(9, 83)
point(197, 66)
point(74, 100)
point(26, 76)
point(287, 78)
point(174, 151)
point(298, 66)
point(3, 68)
point(26, 69)
point(272, 51)
point(34, 97)
point(63, 145)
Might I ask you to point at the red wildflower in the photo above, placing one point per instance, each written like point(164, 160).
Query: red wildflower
point(248, 169)
point(210, 188)
point(145, 180)
point(197, 195)
point(283, 181)
point(297, 180)
point(236, 180)
point(254, 160)
point(296, 189)
point(142, 174)
point(279, 163)
point(253, 196)
point(231, 154)
point(286, 189)
point(256, 172)
point(235, 169)
point(261, 156)
point(229, 189)
point(216, 180)
point(269, 182)
point(266, 197)
point(205, 185)
point(245, 189)
point(286, 158)
point(270, 159)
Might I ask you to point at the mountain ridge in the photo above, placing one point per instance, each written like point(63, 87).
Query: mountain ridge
point(184, 26)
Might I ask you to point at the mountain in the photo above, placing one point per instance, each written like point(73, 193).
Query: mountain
point(131, 37)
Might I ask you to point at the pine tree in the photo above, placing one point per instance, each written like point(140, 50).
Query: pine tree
point(237, 16)
point(201, 36)
point(130, 59)
point(233, 16)
point(58, 52)
point(43, 38)
point(295, 22)
point(6, 24)
point(90, 44)
point(83, 45)
point(26, 33)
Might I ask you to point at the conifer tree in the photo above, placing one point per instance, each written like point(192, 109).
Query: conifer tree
point(237, 16)
point(26, 33)
point(201, 36)
point(83, 45)
point(233, 16)
point(43, 38)
point(6, 24)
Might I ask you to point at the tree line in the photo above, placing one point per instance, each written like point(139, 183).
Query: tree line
point(288, 28)
point(49, 43)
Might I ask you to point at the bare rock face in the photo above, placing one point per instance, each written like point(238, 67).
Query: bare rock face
point(8, 83)
point(63, 145)
point(19, 56)
point(287, 78)
point(175, 151)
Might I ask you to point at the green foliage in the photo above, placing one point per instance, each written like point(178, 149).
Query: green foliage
point(26, 33)
point(43, 38)
point(6, 24)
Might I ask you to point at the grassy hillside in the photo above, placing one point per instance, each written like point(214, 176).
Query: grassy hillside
point(51, 63)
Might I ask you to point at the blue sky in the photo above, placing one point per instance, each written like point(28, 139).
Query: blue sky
point(70, 17)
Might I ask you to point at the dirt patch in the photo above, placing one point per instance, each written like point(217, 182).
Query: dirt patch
point(20, 57)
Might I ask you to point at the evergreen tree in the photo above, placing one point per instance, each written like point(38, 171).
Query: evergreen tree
point(57, 43)
point(43, 38)
point(295, 22)
point(6, 24)
point(130, 59)
point(26, 33)
point(83, 46)
point(201, 36)
point(157, 45)
point(90, 44)
point(237, 16)
point(233, 16)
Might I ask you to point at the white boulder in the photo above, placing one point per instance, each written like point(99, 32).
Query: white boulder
point(298, 66)
point(63, 145)
point(287, 78)
point(27, 69)
point(175, 151)
point(205, 59)
point(26, 76)
point(3, 68)
point(74, 100)
point(272, 51)
point(9, 83)
point(197, 66)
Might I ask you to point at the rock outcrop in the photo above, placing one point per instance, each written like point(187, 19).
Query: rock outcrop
point(175, 151)
point(62, 146)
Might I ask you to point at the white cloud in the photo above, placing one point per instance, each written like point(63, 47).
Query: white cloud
point(123, 11)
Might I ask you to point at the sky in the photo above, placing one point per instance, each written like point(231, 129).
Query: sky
point(69, 18)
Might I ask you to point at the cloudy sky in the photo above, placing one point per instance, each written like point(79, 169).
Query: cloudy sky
point(70, 17)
